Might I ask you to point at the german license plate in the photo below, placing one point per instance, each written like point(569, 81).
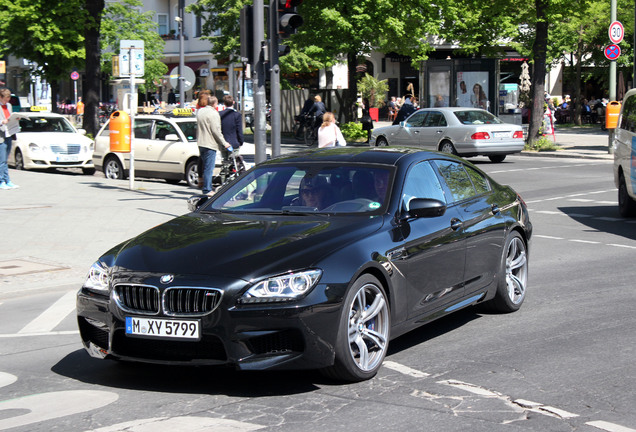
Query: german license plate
point(67, 158)
point(163, 328)
point(501, 134)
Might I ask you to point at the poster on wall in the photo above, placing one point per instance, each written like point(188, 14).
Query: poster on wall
point(439, 89)
point(471, 90)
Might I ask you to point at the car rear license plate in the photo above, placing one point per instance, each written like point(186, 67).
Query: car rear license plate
point(501, 134)
point(163, 328)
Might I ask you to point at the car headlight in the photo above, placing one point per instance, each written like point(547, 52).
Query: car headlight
point(97, 278)
point(33, 147)
point(286, 287)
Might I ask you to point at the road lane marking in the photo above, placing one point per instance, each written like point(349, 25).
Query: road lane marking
point(54, 333)
point(544, 409)
point(185, 423)
point(405, 369)
point(48, 406)
point(7, 379)
point(609, 427)
point(51, 317)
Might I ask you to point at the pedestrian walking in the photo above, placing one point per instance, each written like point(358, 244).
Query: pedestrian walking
point(366, 120)
point(6, 137)
point(209, 138)
point(232, 124)
point(329, 134)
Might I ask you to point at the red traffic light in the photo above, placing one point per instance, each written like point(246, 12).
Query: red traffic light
point(291, 3)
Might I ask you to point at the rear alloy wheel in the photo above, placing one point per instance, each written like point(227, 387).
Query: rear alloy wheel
point(363, 337)
point(192, 174)
point(19, 160)
point(513, 275)
point(381, 142)
point(448, 147)
point(626, 204)
point(113, 169)
point(497, 158)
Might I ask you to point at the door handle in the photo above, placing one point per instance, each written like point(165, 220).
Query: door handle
point(396, 254)
point(456, 224)
point(439, 131)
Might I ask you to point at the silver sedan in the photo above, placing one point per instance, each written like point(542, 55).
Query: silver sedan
point(461, 131)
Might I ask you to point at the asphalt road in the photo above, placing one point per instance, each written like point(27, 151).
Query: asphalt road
point(564, 362)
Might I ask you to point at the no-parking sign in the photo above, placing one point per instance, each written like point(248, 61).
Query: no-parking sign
point(612, 52)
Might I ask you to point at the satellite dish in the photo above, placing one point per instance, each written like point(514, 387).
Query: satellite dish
point(188, 75)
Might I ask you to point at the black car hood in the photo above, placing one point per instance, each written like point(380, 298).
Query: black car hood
point(239, 246)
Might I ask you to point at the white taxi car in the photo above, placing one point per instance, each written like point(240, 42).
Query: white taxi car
point(47, 140)
point(625, 156)
point(164, 147)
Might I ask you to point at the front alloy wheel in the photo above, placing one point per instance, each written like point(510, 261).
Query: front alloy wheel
point(513, 277)
point(113, 169)
point(363, 338)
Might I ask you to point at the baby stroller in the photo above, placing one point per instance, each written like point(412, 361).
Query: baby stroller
point(231, 167)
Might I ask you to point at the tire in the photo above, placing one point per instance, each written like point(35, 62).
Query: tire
point(113, 169)
point(364, 330)
point(497, 158)
point(381, 142)
point(448, 147)
point(513, 276)
point(307, 136)
point(88, 171)
point(19, 160)
point(192, 174)
point(626, 204)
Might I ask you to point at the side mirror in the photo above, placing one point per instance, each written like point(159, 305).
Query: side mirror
point(81, 131)
point(403, 123)
point(172, 137)
point(196, 201)
point(426, 208)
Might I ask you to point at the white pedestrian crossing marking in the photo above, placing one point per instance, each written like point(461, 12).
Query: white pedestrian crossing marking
point(51, 317)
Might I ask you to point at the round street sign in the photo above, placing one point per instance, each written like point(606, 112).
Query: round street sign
point(612, 52)
point(74, 75)
point(616, 32)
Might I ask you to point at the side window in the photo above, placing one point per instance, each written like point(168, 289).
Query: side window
point(163, 129)
point(142, 128)
point(416, 120)
point(456, 178)
point(422, 182)
point(433, 119)
point(479, 181)
point(628, 121)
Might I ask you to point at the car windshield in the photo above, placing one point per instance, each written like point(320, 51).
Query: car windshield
point(476, 117)
point(189, 129)
point(45, 124)
point(308, 188)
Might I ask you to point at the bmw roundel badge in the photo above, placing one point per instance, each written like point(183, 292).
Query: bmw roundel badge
point(166, 279)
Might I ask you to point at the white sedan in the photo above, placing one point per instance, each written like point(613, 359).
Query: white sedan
point(465, 132)
point(48, 140)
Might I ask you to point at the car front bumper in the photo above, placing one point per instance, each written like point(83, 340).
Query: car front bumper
point(292, 335)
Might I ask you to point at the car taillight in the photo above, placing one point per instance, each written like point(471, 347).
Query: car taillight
point(518, 134)
point(480, 135)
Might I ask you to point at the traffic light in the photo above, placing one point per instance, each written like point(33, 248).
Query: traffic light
point(247, 34)
point(288, 20)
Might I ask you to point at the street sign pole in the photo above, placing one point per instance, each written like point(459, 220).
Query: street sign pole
point(131, 54)
point(131, 177)
point(612, 77)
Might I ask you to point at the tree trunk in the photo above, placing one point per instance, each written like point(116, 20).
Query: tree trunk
point(90, 94)
point(539, 51)
point(352, 94)
point(55, 91)
point(577, 81)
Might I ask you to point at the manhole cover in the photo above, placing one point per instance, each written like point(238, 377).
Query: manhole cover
point(22, 267)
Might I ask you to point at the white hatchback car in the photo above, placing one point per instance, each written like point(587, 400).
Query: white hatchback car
point(625, 156)
point(164, 147)
point(48, 140)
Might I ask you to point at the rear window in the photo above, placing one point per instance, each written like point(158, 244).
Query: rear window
point(476, 117)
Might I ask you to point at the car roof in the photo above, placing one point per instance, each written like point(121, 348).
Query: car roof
point(368, 155)
point(453, 109)
point(40, 114)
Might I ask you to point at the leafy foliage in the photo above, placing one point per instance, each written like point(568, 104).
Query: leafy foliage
point(124, 21)
point(373, 89)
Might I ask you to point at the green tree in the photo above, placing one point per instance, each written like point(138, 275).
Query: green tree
point(123, 21)
point(50, 34)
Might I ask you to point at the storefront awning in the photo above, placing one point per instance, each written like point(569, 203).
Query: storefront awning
point(194, 65)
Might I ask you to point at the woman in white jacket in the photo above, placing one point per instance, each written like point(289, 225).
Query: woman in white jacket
point(329, 134)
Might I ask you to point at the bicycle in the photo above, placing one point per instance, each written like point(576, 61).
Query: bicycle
point(232, 166)
point(311, 131)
